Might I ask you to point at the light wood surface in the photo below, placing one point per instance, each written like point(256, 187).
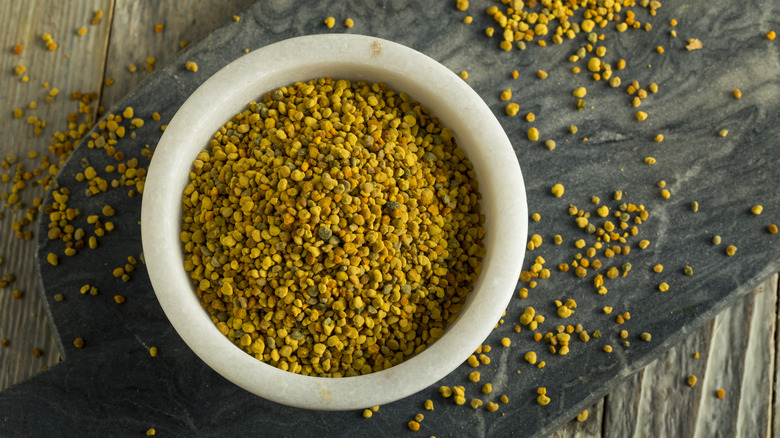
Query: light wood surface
point(76, 65)
point(736, 350)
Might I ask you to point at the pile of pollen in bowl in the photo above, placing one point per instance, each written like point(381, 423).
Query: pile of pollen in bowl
point(333, 229)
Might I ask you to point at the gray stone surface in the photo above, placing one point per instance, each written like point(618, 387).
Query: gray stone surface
point(113, 387)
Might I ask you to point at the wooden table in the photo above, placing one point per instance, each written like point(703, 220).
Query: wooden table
point(737, 347)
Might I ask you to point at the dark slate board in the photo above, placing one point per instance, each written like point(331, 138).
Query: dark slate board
point(113, 387)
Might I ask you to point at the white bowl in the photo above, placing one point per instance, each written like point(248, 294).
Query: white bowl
point(352, 57)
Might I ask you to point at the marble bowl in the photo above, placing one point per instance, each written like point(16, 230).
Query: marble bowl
point(352, 57)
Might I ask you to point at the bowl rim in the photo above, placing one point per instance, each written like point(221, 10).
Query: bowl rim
point(335, 55)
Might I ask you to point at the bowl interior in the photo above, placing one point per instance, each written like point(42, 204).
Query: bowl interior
point(353, 57)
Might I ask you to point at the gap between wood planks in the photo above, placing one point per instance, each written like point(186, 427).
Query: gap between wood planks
point(737, 352)
point(104, 65)
point(24, 321)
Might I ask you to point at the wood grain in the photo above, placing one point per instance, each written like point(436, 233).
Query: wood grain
point(665, 396)
point(76, 65)
point(621, 408)
point(134, 39)
point(755, 398)
point(736, 351)
point(590, 428)
point(725, 369)
point(80, 63)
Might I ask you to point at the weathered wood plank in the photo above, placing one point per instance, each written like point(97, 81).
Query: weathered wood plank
point(727, 366)
point(621, 408)
point(736, 351)
point(134, 37)
point(755, 401)
point(665, 400)
point(590, 428)
point(76, 65)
